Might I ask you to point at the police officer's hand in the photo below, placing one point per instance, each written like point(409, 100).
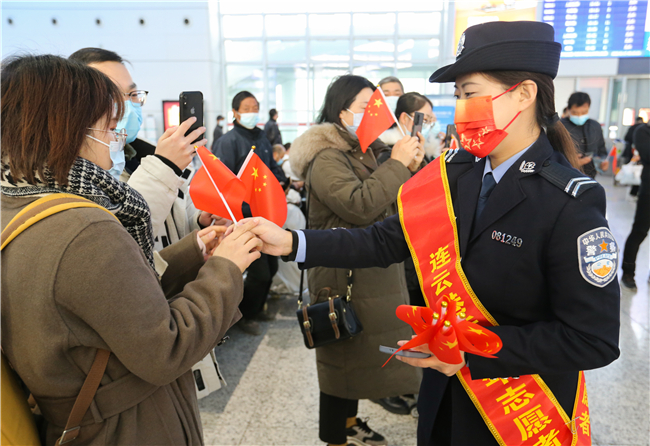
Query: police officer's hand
point(405, 150)
point(432, 362)
point(240, 245)
point(275, 240)
point(177, 147)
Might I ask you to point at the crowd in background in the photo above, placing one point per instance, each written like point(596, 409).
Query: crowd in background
point(168, 256)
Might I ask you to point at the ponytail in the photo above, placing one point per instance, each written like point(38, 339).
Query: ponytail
point(547, 118)
point(561, 140)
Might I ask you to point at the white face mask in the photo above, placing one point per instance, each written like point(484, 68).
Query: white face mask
point(391, 101)
point(356, 121)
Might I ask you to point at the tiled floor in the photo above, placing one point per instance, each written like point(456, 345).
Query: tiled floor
point(272, 392)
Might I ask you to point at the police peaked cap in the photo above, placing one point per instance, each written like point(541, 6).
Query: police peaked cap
point(504, 46)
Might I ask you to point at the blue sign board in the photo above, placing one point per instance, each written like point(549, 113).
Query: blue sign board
point(600, 28)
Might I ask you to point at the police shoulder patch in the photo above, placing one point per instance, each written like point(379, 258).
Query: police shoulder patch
point(571, 181)
point(598, 256)
point(458, 156)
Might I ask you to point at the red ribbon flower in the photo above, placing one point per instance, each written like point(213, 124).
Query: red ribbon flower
point(447, 332)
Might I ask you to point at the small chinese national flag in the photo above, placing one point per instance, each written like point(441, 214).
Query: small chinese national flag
point(263, 191)
point(377, 118)
point(212, 178)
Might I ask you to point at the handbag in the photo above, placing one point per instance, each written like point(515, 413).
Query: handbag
point(334, 320)
point(207, 376)
point(629, 175)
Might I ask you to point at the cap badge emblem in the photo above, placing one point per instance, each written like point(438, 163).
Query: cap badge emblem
point(527, 167)
point(461, 46)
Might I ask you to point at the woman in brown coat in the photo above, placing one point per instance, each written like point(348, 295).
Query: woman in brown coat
point(83, 280)
point(348, 189)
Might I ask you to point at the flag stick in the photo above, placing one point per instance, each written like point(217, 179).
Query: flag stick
point(225, 203)
point(243, 166)
point(391, 111)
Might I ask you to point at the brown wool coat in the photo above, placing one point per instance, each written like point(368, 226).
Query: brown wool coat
point(349, 190)
point(77, 281)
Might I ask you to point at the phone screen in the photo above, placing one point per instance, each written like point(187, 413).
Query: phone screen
point(191, 104)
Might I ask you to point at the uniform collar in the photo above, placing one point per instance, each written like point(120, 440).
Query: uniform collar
point(502, 168)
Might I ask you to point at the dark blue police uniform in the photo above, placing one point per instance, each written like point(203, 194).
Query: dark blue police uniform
point(555, 318)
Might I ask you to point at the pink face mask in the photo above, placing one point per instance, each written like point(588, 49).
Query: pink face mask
point(475, 125)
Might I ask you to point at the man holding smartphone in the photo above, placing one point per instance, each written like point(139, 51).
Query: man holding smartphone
point(587, 133)
point(232, 149)
point(160, 173)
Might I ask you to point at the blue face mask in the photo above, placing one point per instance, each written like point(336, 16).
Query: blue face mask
point(249, 120)
point(579, 120)
point(131, 121)
point(118, 164)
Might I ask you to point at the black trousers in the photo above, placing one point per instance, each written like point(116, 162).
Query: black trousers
point(334, 412)
point(639, 232)
point(257, 285)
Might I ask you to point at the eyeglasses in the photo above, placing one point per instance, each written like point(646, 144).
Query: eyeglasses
point(119, 136)
point(137, 96)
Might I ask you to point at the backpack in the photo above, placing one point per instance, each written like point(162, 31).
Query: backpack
point(17, 426)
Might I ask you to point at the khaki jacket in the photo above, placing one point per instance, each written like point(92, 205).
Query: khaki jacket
point(77, 281)
point(349, 190)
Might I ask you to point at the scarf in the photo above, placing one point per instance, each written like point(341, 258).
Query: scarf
point(90, 181)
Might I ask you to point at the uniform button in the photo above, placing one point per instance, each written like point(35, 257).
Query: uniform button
point(547, 163)
point(360, 157)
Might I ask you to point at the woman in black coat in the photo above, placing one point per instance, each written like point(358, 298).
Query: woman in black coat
point(532, 240)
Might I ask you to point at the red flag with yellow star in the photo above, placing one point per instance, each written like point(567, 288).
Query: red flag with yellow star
point(216, 189)
point(264, 194)
point(377, 118)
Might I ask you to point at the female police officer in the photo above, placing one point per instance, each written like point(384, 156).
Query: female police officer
point(530, 237)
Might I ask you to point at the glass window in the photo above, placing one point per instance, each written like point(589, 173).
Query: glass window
point(329, 24)
point(289, 95)
point(241, 26)
point(375, 50)
point(286, 50)
point(419, 23)
point(243, 77)
point(243, 51)
point(418, 49)
point(286, 25)
point(330, 50)
point(373, 24)
point(322, 76)
point(374, 72)
point(416, 78)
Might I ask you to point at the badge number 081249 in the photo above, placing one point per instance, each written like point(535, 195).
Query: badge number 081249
point(507, 239)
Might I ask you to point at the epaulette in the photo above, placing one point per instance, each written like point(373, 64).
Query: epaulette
point(572, 182)
point(458, 156)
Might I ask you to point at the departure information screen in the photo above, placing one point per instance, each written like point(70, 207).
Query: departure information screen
point(600, 28)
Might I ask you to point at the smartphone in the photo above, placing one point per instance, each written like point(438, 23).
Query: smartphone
point(405, 353)
point(191, 104)
point(418, 119)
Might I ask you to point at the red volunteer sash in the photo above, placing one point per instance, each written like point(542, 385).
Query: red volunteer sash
point(518, 411)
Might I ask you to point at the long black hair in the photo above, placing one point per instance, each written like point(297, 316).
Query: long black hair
point(340, 95)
